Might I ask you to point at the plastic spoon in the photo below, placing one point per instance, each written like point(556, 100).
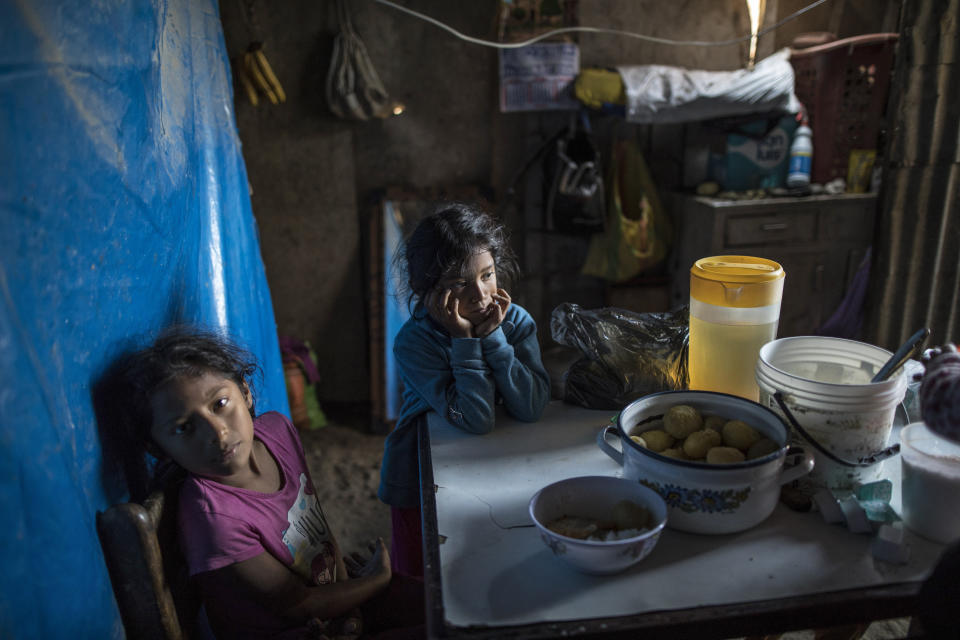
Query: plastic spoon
point(907, 350)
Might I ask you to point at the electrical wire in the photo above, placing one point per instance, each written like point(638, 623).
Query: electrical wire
point(618, 32)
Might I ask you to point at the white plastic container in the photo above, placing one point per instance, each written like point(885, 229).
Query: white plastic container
point(930, 483)
point(826, 385)
point(801, 157)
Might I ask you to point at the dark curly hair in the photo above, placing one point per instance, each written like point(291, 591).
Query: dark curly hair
point(178, 352)
point(444, 241)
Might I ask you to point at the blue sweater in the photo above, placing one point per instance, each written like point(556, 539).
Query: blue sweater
point(460, 379)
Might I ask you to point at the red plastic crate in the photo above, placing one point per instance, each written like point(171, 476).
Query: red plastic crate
point(844, 86)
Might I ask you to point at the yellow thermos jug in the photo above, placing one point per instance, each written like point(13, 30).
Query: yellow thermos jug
point(734, 310)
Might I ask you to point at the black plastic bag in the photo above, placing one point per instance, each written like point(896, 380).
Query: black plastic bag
point(626, 355)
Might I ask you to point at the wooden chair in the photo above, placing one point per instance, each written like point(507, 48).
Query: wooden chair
point(157, 601)
point(156, 598)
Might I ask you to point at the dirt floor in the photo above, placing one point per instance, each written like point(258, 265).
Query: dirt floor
point(345, 463)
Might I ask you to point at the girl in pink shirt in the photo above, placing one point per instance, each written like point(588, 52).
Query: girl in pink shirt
point(253, 532)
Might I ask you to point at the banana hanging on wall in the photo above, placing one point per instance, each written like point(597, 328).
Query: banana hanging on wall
point(257, 76)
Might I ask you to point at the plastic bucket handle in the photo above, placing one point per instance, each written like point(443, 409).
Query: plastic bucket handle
point(865, 461)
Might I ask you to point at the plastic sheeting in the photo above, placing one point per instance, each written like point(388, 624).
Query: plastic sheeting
point(659, 93)
point(124, 206)
point(625, 354)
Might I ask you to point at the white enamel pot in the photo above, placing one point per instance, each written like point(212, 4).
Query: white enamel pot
point(703, 497)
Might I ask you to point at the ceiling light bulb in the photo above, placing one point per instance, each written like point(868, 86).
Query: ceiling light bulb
point(756, 9)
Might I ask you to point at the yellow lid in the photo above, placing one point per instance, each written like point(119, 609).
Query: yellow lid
point(736, 281)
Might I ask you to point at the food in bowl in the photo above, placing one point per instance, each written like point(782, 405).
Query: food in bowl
point(724, 496)
point(598, 501)
point(686, 434)
point(627, 520)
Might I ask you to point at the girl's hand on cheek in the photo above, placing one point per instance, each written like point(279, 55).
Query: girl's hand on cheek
point(445, 309)
point(503, 300)
point(495, 314)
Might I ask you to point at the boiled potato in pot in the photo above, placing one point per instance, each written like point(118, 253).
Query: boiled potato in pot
point(657, 440)
point(689, 435)
point(714, 422)
point(739, 435)
point(725, 455)
point(698, 443)
point(681, 420)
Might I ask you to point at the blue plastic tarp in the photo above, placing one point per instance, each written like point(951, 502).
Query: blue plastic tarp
point(124, 207)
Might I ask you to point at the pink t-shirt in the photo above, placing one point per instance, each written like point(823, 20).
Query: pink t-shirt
point(222, 525)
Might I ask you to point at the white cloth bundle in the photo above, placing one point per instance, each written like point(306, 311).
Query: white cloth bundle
point(662, 93)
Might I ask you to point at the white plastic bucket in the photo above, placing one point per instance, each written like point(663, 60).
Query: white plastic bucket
point(825, 384)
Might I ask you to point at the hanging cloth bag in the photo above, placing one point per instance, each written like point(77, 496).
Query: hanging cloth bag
point(353, 87)
point(573, 181)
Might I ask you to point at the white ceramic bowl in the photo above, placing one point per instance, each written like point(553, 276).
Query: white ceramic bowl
point(702, 497)
point(596, 497)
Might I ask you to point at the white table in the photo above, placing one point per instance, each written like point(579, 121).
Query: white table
point(488, 572)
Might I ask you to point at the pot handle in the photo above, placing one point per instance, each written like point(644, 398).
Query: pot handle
point(801, 468)
point(606, 447)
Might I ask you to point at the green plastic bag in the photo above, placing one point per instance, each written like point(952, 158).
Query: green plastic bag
point(638, 232)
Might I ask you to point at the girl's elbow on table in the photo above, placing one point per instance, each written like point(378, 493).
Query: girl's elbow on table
point(478, 420)
point(529, 407)
point(480, 425)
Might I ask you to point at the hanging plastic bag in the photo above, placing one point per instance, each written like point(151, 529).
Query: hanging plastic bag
point(638, 232)
point(626, 355)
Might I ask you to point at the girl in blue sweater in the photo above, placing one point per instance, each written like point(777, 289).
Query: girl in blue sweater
point(465, 347)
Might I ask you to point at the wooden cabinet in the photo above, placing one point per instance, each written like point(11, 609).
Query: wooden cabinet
point(819, 240)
